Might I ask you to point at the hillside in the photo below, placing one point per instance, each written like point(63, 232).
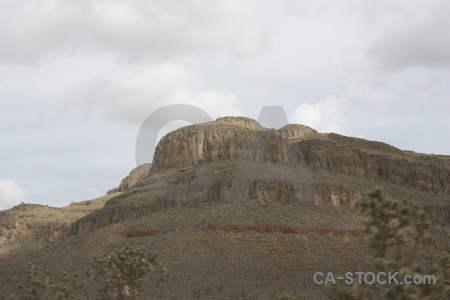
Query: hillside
point(232, 206)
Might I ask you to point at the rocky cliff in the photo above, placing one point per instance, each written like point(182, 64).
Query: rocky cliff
point(135, 177)
point(252, 205)
point(235, 159)
point(244, 139)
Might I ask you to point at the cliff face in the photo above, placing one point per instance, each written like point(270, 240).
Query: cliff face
point(342, 155)
point(238, 195)
point(225, 139)
point(244, 139)
point(236, 159)
point(135, 177)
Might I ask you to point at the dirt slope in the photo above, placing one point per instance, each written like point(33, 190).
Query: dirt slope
point(232, 207)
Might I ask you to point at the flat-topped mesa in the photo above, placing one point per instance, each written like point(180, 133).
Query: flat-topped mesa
point(237, 138)
point(235, 159)
point(228, 138)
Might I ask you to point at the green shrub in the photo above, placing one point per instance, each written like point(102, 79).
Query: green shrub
point(395, 234)
point(121, 276)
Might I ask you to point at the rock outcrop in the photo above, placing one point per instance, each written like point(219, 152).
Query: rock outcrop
point(236, 159)
point(243, 139)
point(136, 176)
point(31, 220)
point(40, 221)
point(377, 161)
point(252, 205)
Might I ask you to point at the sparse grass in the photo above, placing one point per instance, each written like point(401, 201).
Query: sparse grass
point(391, 229)
point(121, 275)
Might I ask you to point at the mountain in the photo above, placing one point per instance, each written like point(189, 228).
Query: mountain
point(230, 205)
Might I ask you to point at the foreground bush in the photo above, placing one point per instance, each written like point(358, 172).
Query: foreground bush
point(395, 234)
point(122, 275)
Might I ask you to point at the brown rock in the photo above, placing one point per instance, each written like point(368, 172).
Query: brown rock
point(235, 159)
point(135, 177)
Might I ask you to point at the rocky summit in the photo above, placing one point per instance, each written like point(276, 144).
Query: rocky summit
point(231, 206)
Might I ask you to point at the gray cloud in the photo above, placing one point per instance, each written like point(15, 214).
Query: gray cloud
point(135, 98)
point(318, 59)
point(131, 30)
point(417, 36)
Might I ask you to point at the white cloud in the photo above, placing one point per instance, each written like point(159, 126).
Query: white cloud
point(11, 194)
point(324, 116)
point(132, 30)
point(223, 55)
point(158, 86)
point(92, 193)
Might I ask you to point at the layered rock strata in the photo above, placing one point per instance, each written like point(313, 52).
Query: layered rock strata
point(236, 159)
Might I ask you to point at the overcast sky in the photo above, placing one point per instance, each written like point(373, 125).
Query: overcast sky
point(77, 78)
